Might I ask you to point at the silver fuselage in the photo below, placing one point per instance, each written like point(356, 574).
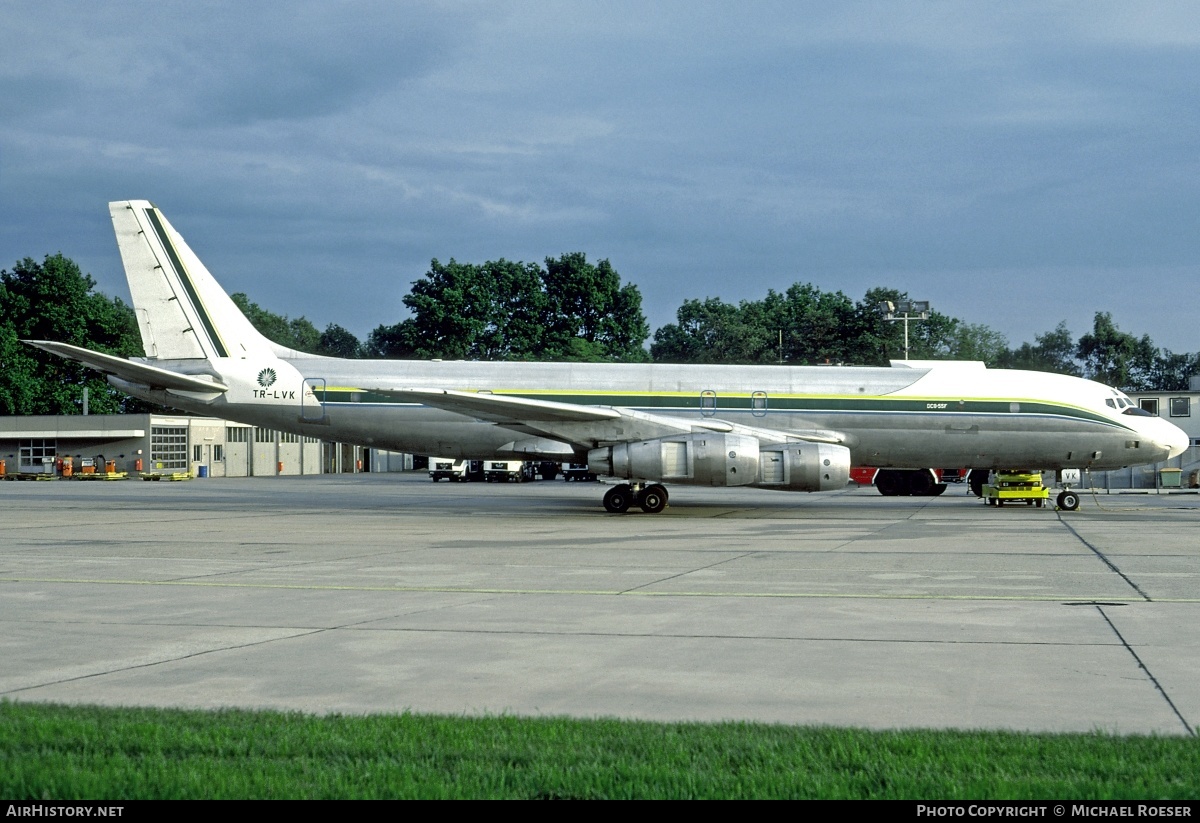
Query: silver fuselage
point(887, 417)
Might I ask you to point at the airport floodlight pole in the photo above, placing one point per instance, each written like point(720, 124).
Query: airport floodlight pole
point(903, 311)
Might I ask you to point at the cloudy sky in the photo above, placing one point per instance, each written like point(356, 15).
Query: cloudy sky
point(1015, 163)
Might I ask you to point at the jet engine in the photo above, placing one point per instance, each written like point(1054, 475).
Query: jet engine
point(704, 459)
point(711, 459)
point(804, 467)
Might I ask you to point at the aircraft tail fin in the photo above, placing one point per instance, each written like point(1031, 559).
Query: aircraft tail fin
point(182, 312)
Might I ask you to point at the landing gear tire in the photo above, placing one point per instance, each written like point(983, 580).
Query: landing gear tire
point(975, 480)
point(653, 499)
point(920, 484)
point(618, 499)
point(889, 483)
point(1068, 501)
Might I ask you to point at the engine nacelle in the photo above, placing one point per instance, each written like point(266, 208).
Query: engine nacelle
point(705, 459)
point(804, 467)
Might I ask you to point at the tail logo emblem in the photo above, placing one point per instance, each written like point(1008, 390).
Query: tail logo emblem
point(266, 378)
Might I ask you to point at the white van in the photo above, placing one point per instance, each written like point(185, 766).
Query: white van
point(504, 470)
point(448, 468)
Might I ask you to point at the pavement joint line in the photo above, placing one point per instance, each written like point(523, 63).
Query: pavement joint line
point(1141, 665)
point(1107, 562)
point(295, 633)
point(154, 663)
point(678, 575)
point(363, 626)
point(1055, 598)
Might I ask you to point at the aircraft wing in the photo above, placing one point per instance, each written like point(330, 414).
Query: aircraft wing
point(138, 373)
point(502, 408)
point(589, 426)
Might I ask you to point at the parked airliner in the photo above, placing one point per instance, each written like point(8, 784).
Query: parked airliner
point(796, 428)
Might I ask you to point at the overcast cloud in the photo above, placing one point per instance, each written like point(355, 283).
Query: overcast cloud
point(1017, 164)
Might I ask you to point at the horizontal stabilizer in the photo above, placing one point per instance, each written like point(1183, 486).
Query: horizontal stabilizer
point(138, 373)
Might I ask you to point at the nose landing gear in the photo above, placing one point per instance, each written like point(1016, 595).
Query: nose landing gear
point(1068, 500)
point(651, 498)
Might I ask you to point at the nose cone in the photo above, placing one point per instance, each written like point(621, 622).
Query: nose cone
point(1169, 438)
point(1175, 440)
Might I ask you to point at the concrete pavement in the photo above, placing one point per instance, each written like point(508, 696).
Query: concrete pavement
point(387, 593)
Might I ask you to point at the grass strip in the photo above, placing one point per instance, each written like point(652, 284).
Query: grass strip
point(53, 752)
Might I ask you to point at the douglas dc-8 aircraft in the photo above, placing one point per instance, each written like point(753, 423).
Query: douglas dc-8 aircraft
point(792, 428)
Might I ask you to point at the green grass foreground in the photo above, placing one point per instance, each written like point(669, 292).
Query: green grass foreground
point(64, 753)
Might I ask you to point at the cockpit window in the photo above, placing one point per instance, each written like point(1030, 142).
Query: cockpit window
point(1136, 412)
point(1112, 404)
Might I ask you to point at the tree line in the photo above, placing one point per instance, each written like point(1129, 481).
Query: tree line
point(565, 309)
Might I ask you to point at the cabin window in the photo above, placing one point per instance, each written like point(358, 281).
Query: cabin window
point(1149, 405)
point(1181, 407)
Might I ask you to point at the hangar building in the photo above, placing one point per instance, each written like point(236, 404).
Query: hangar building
point(203, 446)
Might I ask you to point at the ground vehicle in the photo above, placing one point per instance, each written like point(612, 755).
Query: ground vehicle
point(497, 471)
point(544, 469)
point(1016, 487)
point(454, 469)
point(447, 468)
point(577, 471)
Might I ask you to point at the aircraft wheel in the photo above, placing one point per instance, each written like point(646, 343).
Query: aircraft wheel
point(653, 499)
point(975, 480)
point(618, 499)
point(888, 482)
point(920, 484)
point(1068, 501)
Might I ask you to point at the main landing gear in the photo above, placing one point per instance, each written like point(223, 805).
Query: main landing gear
point(651, 498)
